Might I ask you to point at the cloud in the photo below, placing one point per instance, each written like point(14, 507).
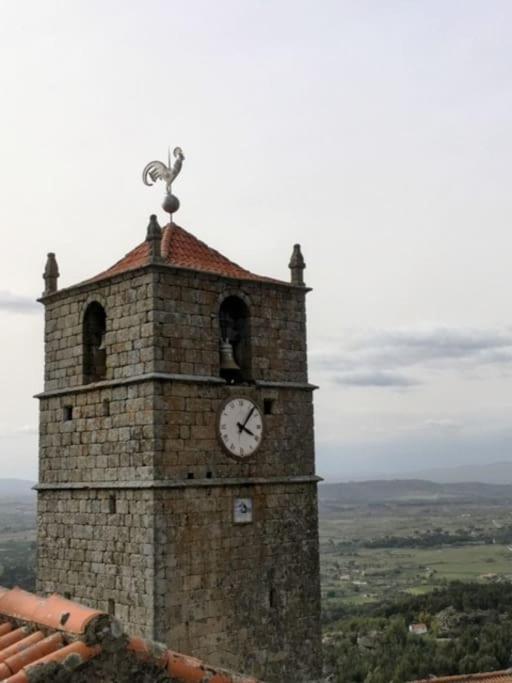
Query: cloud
point(409, 347)
point(379, 358)
point(375, 379)
point(15, 303)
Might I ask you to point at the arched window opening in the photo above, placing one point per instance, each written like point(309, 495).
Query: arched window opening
point(235, 342)
point(94, 355)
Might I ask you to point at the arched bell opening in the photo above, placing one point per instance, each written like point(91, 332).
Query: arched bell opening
point(235, 341)
point(93, 342)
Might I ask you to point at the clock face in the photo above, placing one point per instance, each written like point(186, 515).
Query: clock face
point(240, 427)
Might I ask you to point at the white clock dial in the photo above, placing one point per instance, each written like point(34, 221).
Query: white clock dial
point(240, 427)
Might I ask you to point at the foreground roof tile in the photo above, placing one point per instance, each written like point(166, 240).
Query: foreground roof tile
point(24, 653)
point(13, 637)
point(490, 677)
point(53, 612)
point(41, 635)
point(183, 667)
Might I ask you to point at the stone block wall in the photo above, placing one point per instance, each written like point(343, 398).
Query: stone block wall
point(98, 545)
point(245, 596)
point(187, 329)
point(171, 564)
point(167, 430)
point(164, 319)
point(136, 494)
point(186, 417)
point(128, 302)
point(105, 434)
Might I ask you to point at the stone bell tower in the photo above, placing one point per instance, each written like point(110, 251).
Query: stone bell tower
point(177, 485)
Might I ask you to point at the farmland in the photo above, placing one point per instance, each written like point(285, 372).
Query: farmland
point(371, 550)
point(395, 553)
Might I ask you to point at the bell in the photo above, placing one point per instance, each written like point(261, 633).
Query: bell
point(227, 359)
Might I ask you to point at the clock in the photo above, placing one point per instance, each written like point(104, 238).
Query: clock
point(240, 427)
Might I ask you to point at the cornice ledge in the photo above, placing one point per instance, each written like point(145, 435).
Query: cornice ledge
point(96, 282)
point(176, 483)
point(305, 386)
point(147, 377)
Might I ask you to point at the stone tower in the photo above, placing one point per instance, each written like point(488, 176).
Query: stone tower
point(177, 483)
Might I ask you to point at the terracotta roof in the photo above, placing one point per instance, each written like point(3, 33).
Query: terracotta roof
point(46, 638)
point(180, 248)
point(490, 677)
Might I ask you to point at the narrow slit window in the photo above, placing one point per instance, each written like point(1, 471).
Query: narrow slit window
point(111, 607)
point(106, 408)
point(67, 413)
point(268, 406)
point(112, 504)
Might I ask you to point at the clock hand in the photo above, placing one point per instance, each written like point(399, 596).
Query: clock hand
point(249, 416)
point(241, 427)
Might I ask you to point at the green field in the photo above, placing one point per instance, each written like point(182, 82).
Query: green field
point(353, 574)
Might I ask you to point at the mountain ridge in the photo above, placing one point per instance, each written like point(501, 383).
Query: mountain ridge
point(410, 490)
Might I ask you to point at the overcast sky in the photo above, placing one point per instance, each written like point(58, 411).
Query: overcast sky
point(376, 134)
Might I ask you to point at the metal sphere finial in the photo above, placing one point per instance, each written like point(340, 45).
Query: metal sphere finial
point(171, 203)
point(157, 170)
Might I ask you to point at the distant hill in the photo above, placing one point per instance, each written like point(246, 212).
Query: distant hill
point(409, 490)
point(492, 473)
point(16, 488)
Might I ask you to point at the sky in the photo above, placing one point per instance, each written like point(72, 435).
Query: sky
point(376, 134)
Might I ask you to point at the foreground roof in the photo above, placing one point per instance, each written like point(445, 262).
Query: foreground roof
point(490, 677)
point(57, 640)
point(180, 248)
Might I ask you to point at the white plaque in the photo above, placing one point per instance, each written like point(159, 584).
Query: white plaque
point(242, 510)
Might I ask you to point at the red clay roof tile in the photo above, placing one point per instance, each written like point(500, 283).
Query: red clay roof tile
point(182, 667)
point(54, 612)
point(490, 677)
point(24, 653)
point(180, 248)
point(23, 647)
point(20, 645)
point(13, 637)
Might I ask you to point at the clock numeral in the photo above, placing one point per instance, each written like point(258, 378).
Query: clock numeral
point(225, 437)
point(258, 426)
point(240, 403)
point(232, 446)
point(256, 438)
point(242, 452)
point(223, 426)
point(232, 406)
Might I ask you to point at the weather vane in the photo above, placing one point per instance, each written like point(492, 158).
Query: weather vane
point(157, 170)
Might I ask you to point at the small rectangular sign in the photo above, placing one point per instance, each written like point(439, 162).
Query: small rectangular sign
point(242, 510)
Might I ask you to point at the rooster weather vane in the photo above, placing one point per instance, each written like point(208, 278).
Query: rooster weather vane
point(157, 170)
